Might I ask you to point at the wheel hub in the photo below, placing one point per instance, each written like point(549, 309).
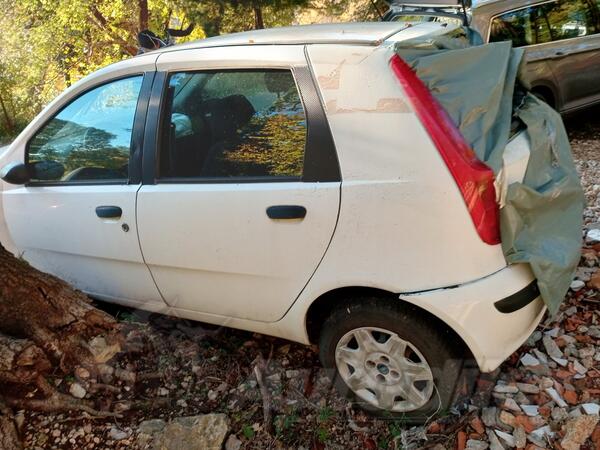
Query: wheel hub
point(384, 370)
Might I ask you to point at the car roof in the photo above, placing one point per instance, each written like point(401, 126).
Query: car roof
point(359, 33)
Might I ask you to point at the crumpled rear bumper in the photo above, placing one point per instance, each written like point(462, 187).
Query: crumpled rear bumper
point(470, 310)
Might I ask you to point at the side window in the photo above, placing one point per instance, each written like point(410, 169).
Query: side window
point(523, 27)
point(90, 138)
point(232, 124)
point(571, 18)
point(553, 21)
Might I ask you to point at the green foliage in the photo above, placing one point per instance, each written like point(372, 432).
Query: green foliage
point(285, 422)
point(46, 45)
point(322, 434)
point(325, 413)
point(248, 431)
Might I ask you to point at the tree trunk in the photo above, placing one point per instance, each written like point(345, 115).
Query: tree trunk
point(143, 17)
point(259, 23)
point(9, 123)
point(46, 327)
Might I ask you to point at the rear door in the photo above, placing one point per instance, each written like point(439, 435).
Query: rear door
point(245, 195)
point(575, 61)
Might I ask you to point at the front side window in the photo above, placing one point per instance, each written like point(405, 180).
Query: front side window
point(89, 139)
point(553, 21)
point(233, 124)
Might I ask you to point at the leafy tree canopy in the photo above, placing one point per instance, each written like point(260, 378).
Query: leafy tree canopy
point(46, 45)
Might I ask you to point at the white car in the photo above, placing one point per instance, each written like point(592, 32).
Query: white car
point(278, 181)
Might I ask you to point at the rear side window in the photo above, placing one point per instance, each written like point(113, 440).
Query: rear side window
point(89, 139)
point(553, 21)
point(232, 124)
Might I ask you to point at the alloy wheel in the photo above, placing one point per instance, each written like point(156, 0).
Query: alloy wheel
point(384, 370)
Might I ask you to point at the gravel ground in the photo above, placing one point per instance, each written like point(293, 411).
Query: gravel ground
point(545, 396)
point(584, 133)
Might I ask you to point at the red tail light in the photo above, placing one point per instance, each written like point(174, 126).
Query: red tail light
point(474, 179)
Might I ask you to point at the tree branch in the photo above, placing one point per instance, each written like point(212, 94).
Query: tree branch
point(101, 22)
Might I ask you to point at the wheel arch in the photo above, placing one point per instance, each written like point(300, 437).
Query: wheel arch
point(549, 93)
point(323, 305)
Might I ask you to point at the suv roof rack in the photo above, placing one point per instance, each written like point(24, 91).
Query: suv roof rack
point(432, 8)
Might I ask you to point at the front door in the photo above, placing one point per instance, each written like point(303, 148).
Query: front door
point(76, 219)
point(574, 53)
point(234, 225)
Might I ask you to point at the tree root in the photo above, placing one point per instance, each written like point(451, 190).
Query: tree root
point(9, 437)
point(54, 401)
point(259, 370)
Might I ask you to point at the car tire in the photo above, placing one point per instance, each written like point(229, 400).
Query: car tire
point(427, 345)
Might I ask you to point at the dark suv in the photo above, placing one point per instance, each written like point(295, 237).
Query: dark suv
point(560, 37)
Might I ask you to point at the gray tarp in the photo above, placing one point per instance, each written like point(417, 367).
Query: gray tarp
point(541, 219)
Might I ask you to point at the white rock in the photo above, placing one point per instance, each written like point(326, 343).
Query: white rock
point(506, 389)
point(474, 444)
point(488, 416)
point(553, 332)
point(576, 286)
point(531, 410)
point(586, 352)
point(77, 390)
point(573, 309)
point(591, 408)
point(551, 347)
point(528, 360)
point(561, 361)
point(541, 356)
point(233, 443)
point(528, 388)
point(593, 235)
point(579, 368)
point(506, 437)
point(117, 435)
point(163, 392)
point(292, 373)
point(520, 437)
point(556, 397)
point(541, 433)
point(494, 442)
point(511, 405)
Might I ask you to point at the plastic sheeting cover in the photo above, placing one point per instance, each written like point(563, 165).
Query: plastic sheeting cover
point(541, 218)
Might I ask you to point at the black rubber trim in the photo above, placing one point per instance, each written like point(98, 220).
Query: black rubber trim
point(320, 159)
point(152, 130)
point(519, 300)
point(137, 136)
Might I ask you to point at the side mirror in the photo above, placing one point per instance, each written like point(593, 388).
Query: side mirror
point(15, 173)
point(46, 170)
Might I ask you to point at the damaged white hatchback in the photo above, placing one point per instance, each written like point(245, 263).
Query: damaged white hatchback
point(281, 181)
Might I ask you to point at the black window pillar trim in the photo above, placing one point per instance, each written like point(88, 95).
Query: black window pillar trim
point(152, 129)
point(137, 135)
point(320, 156)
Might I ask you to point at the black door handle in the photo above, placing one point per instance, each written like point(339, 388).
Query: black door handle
point(286, 212)
point(109, 212)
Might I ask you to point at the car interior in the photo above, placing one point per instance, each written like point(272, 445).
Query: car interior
point(216, 124)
